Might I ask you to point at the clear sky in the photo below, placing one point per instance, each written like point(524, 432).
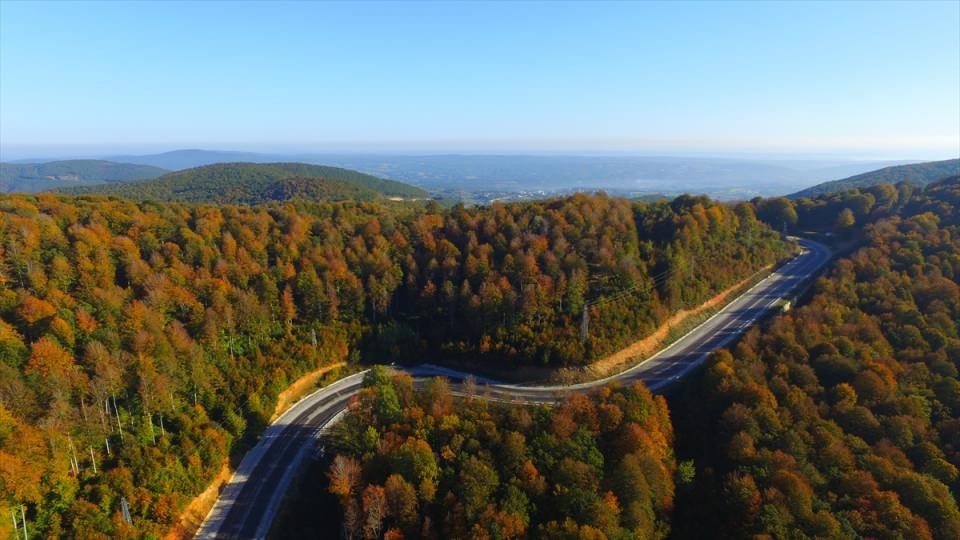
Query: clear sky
point(854, 79)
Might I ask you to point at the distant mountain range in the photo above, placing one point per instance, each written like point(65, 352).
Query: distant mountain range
point(187, 159)
point(34, 177)
point(920, 174)
point(485, 178)
point(627, 175)
point(251, 183)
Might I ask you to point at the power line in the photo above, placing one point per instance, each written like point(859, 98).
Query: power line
point(654, 282)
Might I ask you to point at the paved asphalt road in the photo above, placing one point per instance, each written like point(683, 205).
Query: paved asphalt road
point(250, 500)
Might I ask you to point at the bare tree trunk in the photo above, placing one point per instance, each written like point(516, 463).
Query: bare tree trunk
point(23, 516)
point(119, 425)
point(74, 464)
point(103, 423)
point(106, 407)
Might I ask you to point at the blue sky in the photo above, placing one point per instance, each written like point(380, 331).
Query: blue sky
point(842, 79)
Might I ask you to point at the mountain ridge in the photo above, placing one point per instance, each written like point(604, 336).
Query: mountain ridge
point(729, 177)
point(33, 177)
point(916, 173)
point(252, 183)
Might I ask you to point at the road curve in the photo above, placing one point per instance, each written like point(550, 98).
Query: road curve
point(248, 504)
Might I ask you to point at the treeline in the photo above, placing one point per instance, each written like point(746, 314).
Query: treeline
point(842, 212)
point(411, 464)
point(918, 174)
point(849, 211)
point(842, 418)
point(164, 331)
point(254, 183)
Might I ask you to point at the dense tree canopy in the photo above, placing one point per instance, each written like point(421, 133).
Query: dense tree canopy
point(846, 211)
point(594, 467)
point(166, 330)
point(842, 419)
point(512, 281)
point(251, 183)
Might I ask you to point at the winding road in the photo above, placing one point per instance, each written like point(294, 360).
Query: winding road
point(249, 502)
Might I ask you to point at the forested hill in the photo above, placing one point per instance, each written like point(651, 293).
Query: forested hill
point(920, 174)
point(251, 183)
point(191, 318)
point(593, 468)
point(34, 177)
point(842, 418)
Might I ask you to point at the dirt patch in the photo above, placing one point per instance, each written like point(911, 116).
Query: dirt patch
point(301, 386)
point(653, 342)
point(193, 515)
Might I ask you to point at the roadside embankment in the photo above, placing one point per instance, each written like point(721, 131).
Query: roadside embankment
point(301, 387)
point(659, 338)
point(196, 511)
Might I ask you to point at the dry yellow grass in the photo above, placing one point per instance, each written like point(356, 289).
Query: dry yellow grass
point(653, 342)
point(193, 515)
point(300, 387)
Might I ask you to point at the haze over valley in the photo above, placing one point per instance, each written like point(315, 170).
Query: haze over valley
point(484, 178)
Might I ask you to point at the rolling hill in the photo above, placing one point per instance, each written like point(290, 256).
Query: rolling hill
point(917, 173)
point(176, 160)
point(731, 178)
point(34, 177)
point(251, 183)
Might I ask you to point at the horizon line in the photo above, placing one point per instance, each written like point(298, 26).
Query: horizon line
point(10, 153)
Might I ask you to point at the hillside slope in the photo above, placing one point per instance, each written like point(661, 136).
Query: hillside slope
point(840, 419)
point(251, 183)
point(917, 173)
point(33, 177)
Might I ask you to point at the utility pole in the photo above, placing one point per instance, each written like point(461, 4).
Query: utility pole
point(125, 510)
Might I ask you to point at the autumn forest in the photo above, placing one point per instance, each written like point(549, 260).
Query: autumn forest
point(143, 344)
